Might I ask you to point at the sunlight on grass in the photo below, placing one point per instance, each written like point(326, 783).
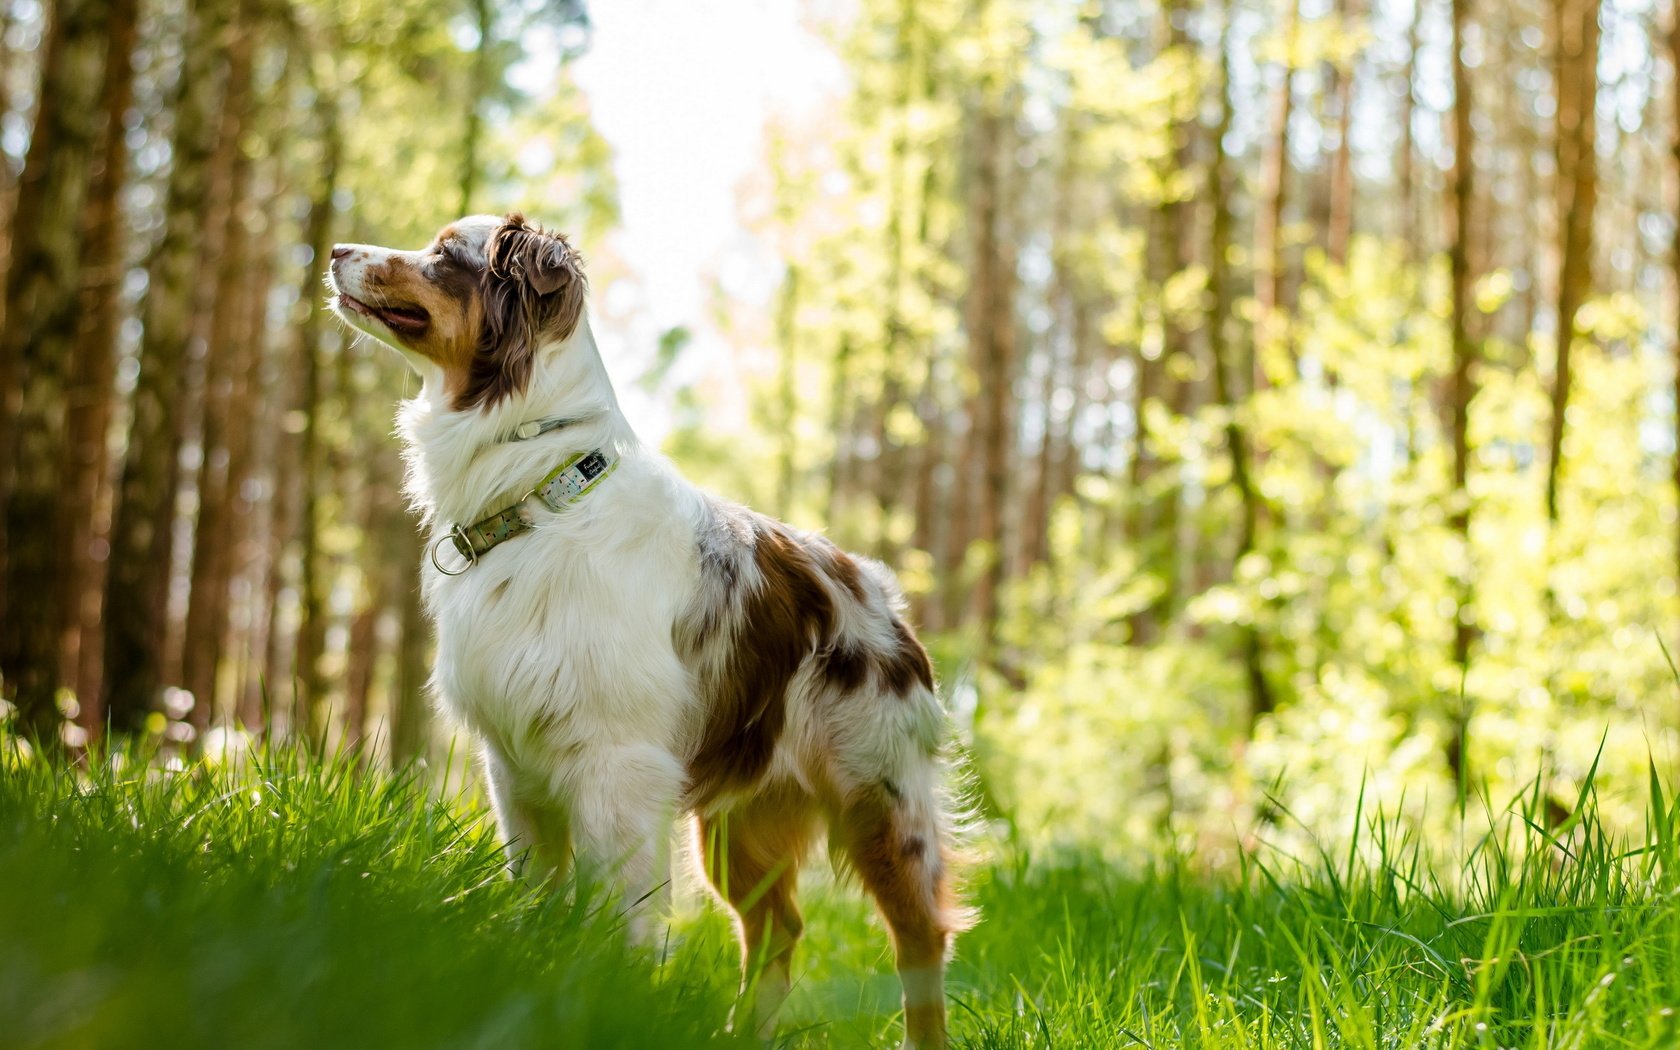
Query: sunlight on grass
point(297, 902)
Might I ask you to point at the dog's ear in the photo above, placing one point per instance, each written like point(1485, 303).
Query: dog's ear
point(534, 291)
point(529, 255)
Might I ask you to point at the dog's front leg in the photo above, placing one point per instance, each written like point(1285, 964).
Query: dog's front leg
point(623, 800)
point(534, 833)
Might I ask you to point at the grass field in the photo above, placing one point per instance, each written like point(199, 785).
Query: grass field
point(306, 904)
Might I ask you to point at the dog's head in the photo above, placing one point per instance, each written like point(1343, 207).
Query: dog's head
point(477, 303)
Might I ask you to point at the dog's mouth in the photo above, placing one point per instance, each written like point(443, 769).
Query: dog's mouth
point(404, 320)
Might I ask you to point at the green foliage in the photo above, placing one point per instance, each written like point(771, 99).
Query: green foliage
point(1113, 694)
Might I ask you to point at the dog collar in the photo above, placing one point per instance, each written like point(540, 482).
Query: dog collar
point(564, 486)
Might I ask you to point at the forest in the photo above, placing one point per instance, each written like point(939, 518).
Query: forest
point(1271, 408)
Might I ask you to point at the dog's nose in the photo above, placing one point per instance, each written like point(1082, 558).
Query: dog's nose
point(340, 251)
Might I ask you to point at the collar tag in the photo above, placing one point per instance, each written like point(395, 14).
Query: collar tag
point(574, 478)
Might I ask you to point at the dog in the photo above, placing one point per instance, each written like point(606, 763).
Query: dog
point(628, 649)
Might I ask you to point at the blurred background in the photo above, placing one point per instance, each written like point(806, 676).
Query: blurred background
point(1269, 404)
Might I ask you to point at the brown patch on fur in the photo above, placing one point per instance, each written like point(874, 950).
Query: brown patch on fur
point(840, 567)
point(533, 291)
point(907, 663)
point(449, 293)
point(846, 666)
point(784, 618)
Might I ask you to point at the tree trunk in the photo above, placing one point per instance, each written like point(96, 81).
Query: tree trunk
point(37, 341)
point(312, 625)
point(136, 592)
point(483, 16)
point(889, 458)
point(85, 462)
point(992, 343)
point(1268, 217)
point(1461, 390)
point(362, 651)
point(1340, 228)
point(225, 364)
point(839, 470)
point(241, 639)
point(1674, 55)
point(1577, 176)
point(932, 492)
point(787, 338)
point(1407, 228)
point(1226, 367)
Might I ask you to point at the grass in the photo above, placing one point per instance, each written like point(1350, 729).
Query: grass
point(299, 903)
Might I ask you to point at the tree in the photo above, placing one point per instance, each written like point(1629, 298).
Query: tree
point(991, 337)
point(1462, 385)
point(37, 343)
point(1576, 68)
point(142, 524)
point(1272, 195)
point(227, 364)
point(311, 688)
point(90, 397)
point(1674, 260)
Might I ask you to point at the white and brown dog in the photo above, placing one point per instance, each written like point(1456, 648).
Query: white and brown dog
point(627, 648)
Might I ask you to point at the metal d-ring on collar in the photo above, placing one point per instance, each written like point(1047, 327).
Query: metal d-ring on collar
point(459, 535)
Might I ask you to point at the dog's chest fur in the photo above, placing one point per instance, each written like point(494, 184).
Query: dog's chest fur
point(562, 638)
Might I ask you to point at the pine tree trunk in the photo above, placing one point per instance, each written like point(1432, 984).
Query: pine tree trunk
point(889, 461)
point(1226, 367)
point(839, 471)
point(136, 593)
point(362, 651)
point(37, 342)
point(992, 343)
point(8, 184)
point(1674, 56)
point(1577, 175)
point(1461, 390)
point(931, 494)
point(1268, 216)
point(1340, 228)
point(312, 583)
point(90, 396)
point(1407, 229)
point(477, 88)
point(225, 363)
point(787, 338)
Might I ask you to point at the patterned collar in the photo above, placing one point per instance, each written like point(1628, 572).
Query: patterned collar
point(564, 486)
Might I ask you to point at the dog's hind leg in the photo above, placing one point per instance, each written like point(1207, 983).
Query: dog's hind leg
point(892, 834)
point(751, 856)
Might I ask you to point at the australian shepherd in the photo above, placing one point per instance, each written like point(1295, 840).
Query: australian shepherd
point(628, 650)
